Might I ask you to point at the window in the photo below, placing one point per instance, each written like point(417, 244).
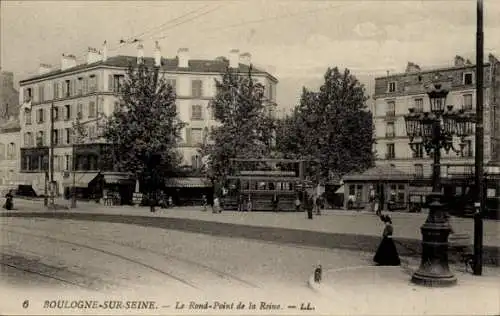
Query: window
point(389, 130)
point(92, 83)
point(79, 110)
point(401, 193)
point(67, 135)
point(55, 113)
point(391, 108)
point(196, 112)
point(196, 136)
point(391, 86)
point(28, 138)
point(419, 105)
point(92, 109)
point(419, 150)
point(172, 83)
point(467, 102)
point(468, 150)
point(391, 154)
point(28, 95)
point(67, 88)
point(116, 107)
point(115, 83)
point(40, 139)
point(55, 136)
point(196, 88)
point(211, 112)
point(67, 112)
point(2, 151)
point(41, 93)
point(11, 151)
point(39, 116)
point(352, 189)
point(27, 117)
point(419, 170)
point(67, 162)
point(468, 78)
point(196, 161)
point(79, 86)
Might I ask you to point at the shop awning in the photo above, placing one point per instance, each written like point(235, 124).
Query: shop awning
point(187, 183)
point(340, 190)
point(116, 177)
point(82, 180)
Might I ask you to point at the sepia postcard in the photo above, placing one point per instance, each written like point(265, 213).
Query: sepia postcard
point(253, 157)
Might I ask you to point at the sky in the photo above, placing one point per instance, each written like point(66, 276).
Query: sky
point(294, 40)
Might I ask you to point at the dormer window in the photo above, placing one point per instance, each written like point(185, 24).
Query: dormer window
point(467, 79)
point(391, 87)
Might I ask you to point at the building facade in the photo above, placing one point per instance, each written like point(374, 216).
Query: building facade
point(91, 91)
point(9, 96)
point(10, 141)
point(395, 94)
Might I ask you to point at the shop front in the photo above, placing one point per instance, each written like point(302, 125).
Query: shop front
point(388, 183)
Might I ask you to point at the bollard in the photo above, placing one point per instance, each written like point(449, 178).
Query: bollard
point(318, 274)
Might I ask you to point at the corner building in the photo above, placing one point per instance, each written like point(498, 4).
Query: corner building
point(92, 90)
point(396, 93)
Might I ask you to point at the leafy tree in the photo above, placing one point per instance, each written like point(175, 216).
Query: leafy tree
point(144, 131)
point(331, 126)
point(245, 129)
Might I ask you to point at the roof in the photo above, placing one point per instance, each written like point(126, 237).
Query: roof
point(167, 64)
point(379, 173)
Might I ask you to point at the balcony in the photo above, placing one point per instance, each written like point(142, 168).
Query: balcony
point(390, 135)
point(390, 116)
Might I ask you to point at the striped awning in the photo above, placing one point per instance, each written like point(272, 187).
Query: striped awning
point(187, 183)
point(117, 177)
point(82, 180)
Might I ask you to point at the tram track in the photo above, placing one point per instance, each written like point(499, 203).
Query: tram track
point(109, 253)
point(220, 274)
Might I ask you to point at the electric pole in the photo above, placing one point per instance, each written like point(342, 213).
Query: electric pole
point(479, 172)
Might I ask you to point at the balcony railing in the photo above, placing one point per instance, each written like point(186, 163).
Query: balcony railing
point(390, 135)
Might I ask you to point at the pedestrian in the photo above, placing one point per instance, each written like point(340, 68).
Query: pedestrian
point(297, 204)
point(170, 201)
point(275, 202)
point(216, 205)
point(204, 202)
point(9, 201)
point(387, 254)
point(249, 204)
point(309, 205)
point(376, 205)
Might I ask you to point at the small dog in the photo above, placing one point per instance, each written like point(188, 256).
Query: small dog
point(318, 274)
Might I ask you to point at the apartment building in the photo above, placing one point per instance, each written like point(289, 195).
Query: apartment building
point(396, 93)
point(91, 91)
point(9, 154)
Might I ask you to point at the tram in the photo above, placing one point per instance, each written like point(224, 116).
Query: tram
point(263, 179)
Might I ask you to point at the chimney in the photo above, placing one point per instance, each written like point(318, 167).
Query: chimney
point(140, 54)
point(246, 59)
point(105, 51)
point(44, 68)
point(157, 54)
point(93, 55)
point(183, 57)
point(459, 61)
point(68, 61)
point(234, 58)
point(412, 67)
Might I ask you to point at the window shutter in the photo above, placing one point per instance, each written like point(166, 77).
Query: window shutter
point(96, 88)
point(193, 161)
point(60, 137)
point(188, 136)
point(110, 83)
point(100, 108)
point(64, 88)
point(75, 86)
point(74, 110)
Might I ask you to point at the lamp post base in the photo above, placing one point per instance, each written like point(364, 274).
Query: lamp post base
point(434, 270)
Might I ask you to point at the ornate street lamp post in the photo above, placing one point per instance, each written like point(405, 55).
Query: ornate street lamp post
point(434, 131)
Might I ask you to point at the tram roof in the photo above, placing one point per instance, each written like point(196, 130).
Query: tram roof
point(269, 160)
point(263, 178)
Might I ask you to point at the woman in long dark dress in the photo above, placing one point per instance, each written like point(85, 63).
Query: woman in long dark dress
point(9, 201)
point(387, 254)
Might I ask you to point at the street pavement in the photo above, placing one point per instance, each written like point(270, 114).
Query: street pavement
point(378, 290)
point(52, 259)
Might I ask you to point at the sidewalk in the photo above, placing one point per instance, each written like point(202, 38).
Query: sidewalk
point(372, 290)
point(406, 225)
